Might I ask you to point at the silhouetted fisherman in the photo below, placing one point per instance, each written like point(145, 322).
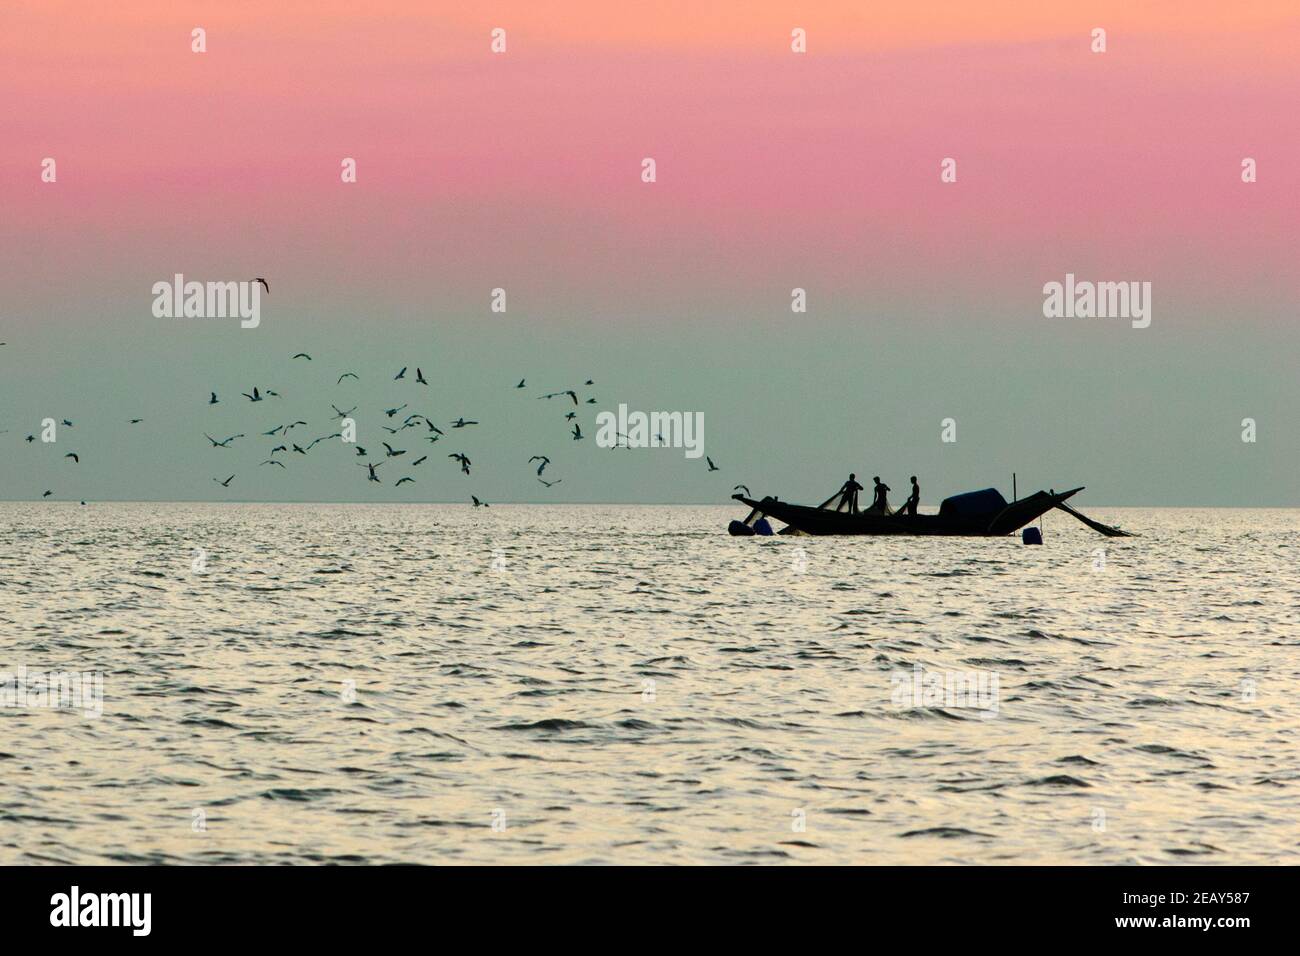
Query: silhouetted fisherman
point(909, 506)
point(849, 495)
point(880, 504)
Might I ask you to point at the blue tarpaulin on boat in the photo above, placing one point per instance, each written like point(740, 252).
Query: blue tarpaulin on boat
point(973, 504)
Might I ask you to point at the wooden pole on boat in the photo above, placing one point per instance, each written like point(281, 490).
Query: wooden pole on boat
point(1013, 486)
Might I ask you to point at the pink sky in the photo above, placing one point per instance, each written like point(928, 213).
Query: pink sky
point(774, 168)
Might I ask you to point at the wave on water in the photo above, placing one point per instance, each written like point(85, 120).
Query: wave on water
point(634, 686)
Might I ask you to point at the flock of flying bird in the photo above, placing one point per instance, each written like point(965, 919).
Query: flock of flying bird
point(423, 428)
point(415, 420)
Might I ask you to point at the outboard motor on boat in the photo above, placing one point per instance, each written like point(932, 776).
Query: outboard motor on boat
point(1032, 535)
point(754, 523)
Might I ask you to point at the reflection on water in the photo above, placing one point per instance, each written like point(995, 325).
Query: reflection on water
point(302, 683)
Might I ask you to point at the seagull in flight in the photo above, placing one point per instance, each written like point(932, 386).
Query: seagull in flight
point(347, 375)
point(74, 456)
point(477, 503)
point(390, 412)
point(521, 384)
point(464, 462)
point(549, 483)
point(213, 400)
point(301, 451)
point(461, 423)
point(226, 483)
point(419, 376)
point(372, 477)
point(272, 461)
point(221, 444)
point(255, 397)
point(712, 466)
point(135, 421)
point(571, 393)
point(47, 494)
point(746, 487)
point(339, 413)
point(302, 355)
point(544, 462)
point(402, 480)
point(393, 452)
point(264, 286)
point(401, 374)
point(577, 432)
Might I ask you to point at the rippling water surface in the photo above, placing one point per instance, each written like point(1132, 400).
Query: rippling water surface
point(565, 684)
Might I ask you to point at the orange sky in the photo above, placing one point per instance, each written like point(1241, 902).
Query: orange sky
point(438, 29)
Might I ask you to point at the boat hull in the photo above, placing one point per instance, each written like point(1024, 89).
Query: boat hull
point(821, 521)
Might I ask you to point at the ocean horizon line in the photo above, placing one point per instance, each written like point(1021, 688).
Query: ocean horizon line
point(626, 504)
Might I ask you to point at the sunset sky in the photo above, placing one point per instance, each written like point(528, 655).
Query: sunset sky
point(775, 170)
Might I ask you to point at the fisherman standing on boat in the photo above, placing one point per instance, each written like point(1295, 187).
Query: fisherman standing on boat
point(849, 495)
point(909, 506)
point(880, 505)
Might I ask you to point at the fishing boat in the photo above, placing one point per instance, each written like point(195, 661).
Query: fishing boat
point(984, 513)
